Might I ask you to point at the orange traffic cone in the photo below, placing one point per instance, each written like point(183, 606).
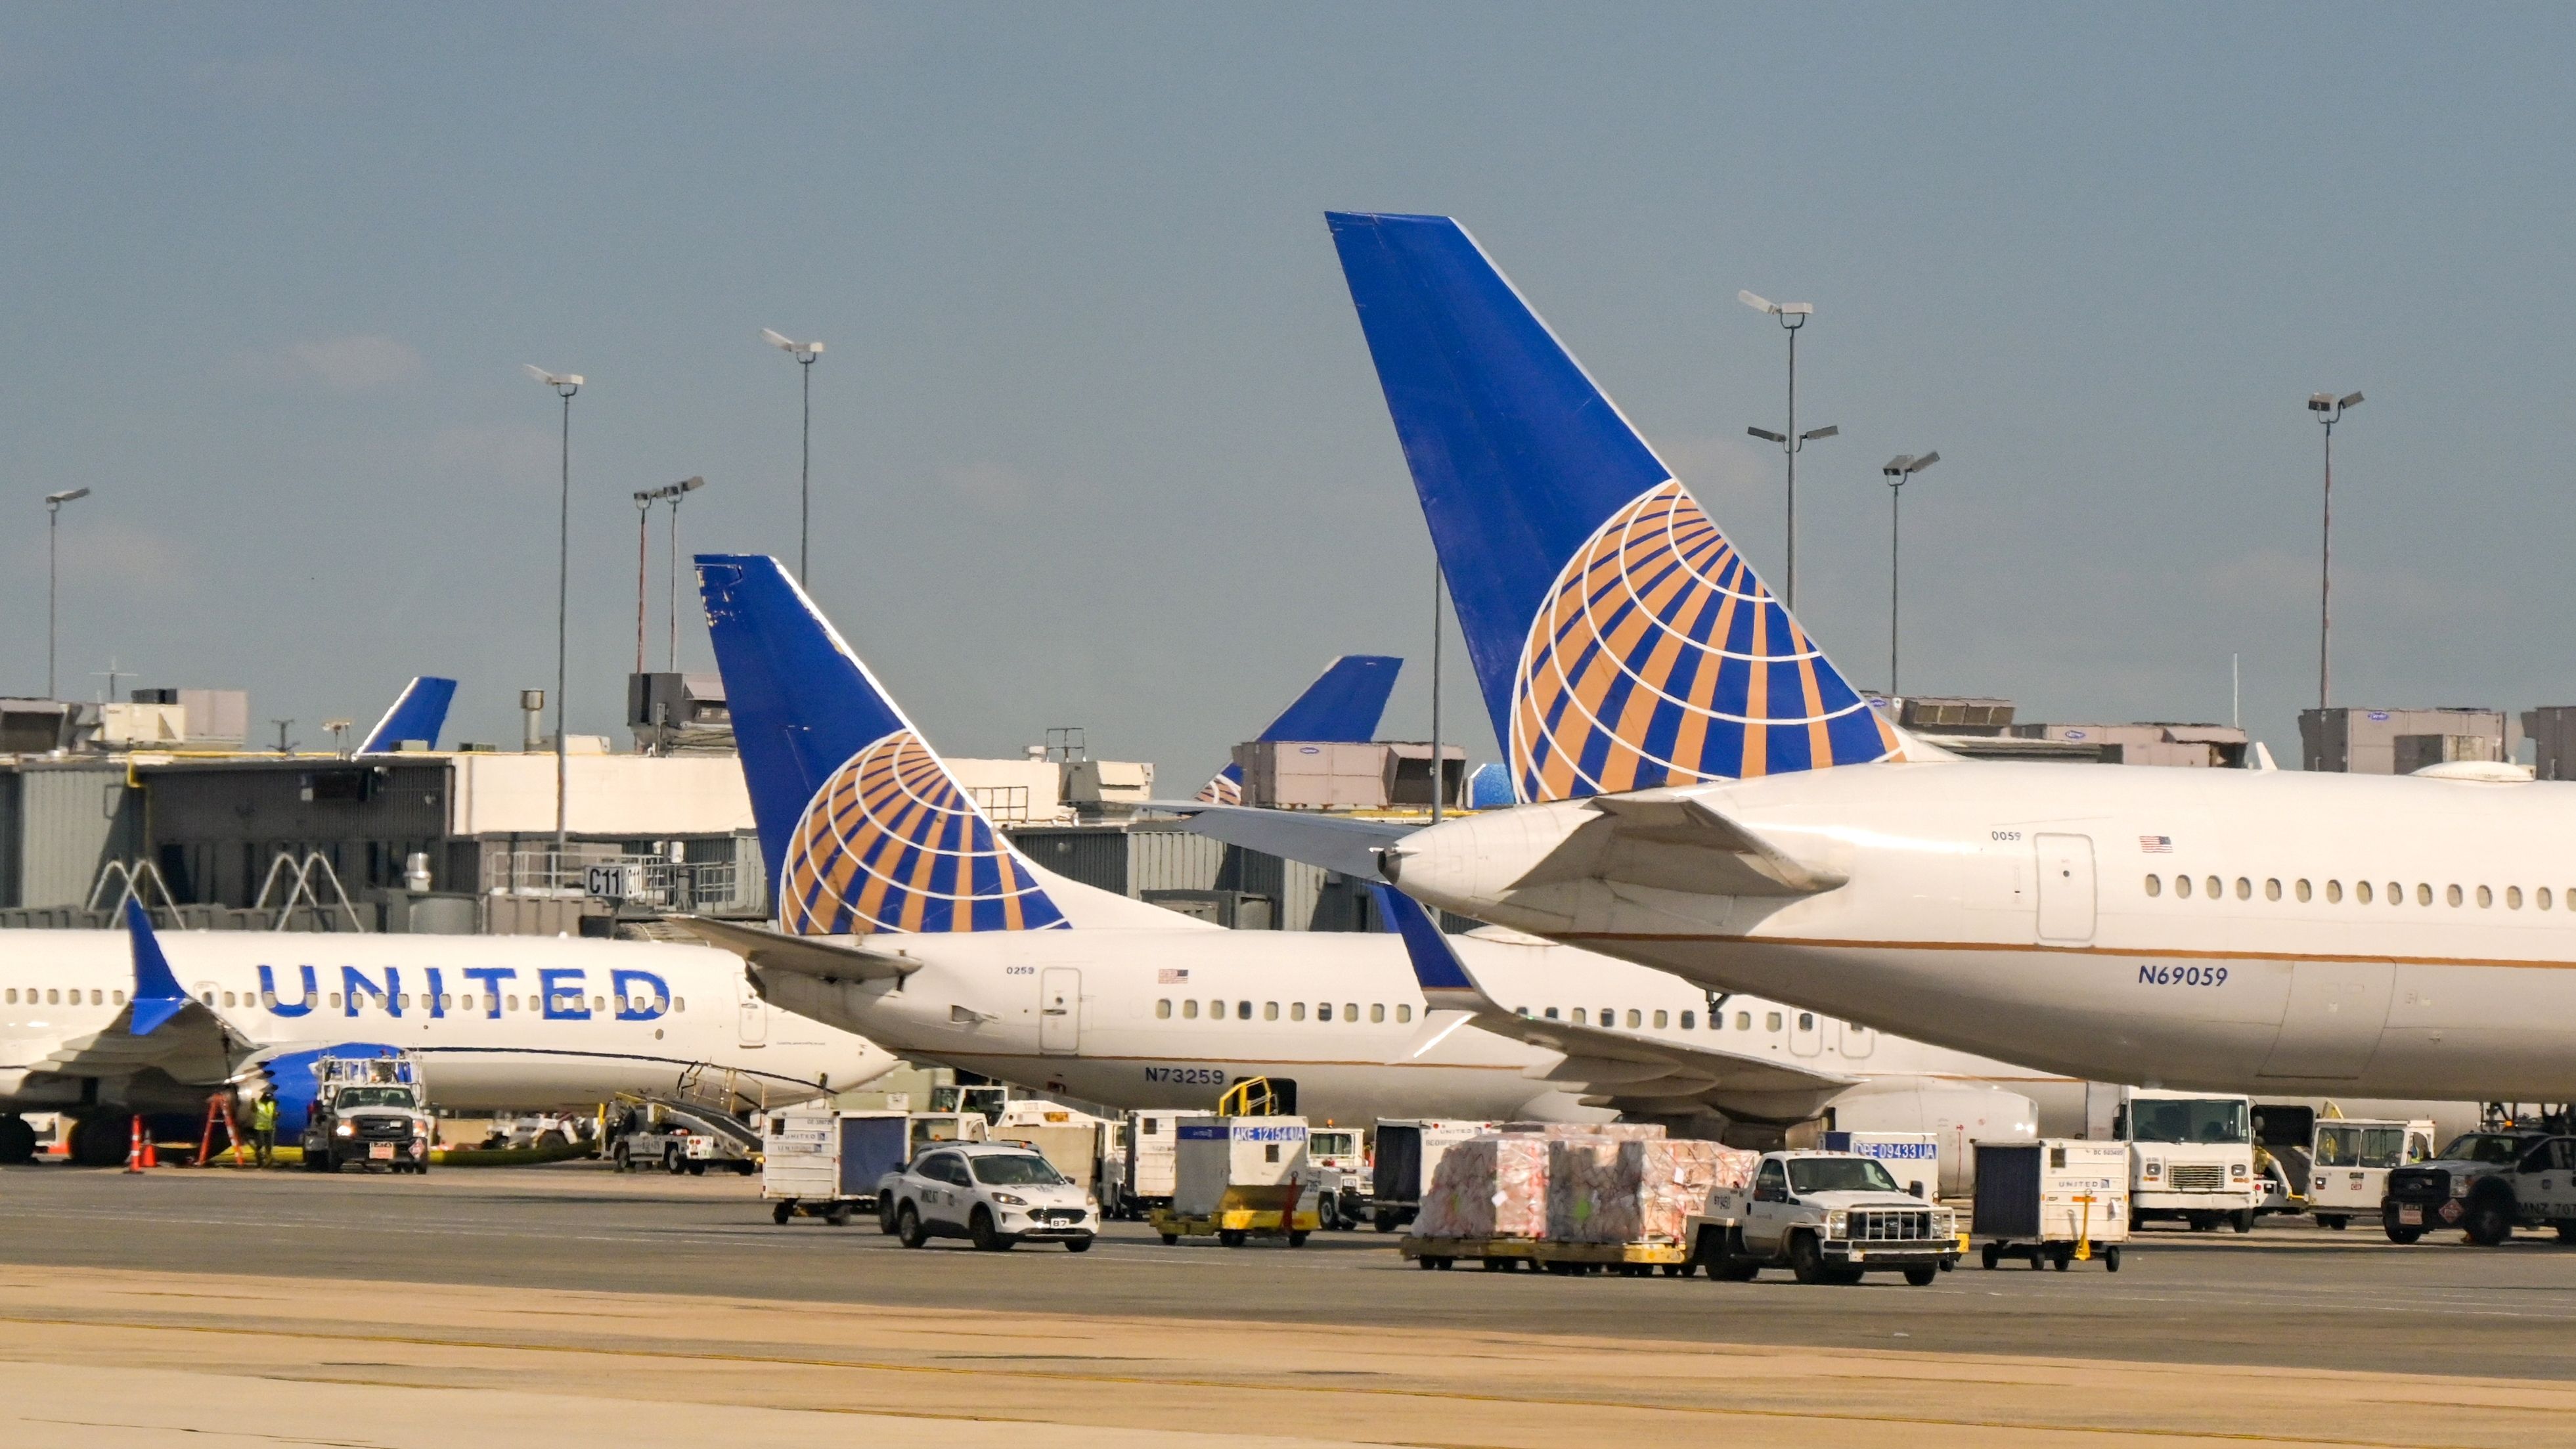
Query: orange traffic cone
point(134, 1148)
point(151, 1152)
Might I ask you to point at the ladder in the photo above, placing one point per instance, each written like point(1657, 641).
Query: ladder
point(219, 1109)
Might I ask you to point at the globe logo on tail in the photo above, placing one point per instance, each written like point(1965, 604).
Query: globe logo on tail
point(1658, 658)
point(889, 843)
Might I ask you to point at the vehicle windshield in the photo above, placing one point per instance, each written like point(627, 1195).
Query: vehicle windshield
point(1838, 1174)
point(2484, 1147)
point(373, 1097)
point(2204, 1120)
point(1014, 1169)
point(1333, 1144)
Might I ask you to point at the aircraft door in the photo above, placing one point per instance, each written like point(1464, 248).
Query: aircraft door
point(1060, 1010)
point(752, 1017)
point(2065, 887)
point(1858, 1040)
point(2332, 1024)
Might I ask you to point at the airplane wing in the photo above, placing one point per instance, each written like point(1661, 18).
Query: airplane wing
point(1340, 843)
point(161, 1027)
point(1612, 1068)
point(1673, 840)
point(804, 955)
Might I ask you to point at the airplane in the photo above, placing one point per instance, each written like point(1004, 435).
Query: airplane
point(95, 1025)
point(1712, 797)
point(905, 916)
point(418, 713)
point(1343, 705)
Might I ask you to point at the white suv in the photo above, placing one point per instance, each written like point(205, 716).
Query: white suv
point(997, 1194)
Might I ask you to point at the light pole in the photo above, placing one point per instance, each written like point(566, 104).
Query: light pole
point(676, 492)
point(643, 522)
point(2329, 410)
point(804, 353)
point(1792, 315)
point(565, 384)
point(1900, 470)
point(53, 573)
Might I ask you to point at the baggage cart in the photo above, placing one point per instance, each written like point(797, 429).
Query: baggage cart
point(1237, 1177)
point(2052, 1203)
point(1145, 1163)
point(819, 1161)
point(1408, 1152)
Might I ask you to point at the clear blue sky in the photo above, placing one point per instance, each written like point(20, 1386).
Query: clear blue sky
point(1096, 440)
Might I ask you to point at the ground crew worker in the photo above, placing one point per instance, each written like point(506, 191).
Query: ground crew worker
point(263, 1126)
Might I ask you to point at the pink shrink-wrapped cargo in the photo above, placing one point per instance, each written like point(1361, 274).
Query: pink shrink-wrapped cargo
point(1622, 1130)
point(1635, 1190)
point(1487, 1187)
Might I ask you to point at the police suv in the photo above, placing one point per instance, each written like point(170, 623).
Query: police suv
point(995, 1194)
point(2486, 1184)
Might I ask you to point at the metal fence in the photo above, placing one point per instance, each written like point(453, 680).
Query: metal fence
point(644, 880)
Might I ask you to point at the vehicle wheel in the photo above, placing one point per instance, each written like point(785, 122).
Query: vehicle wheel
point(2566, 1230)
point(907, 1227)
point(552, 1138)
point(885, 1214)
point(2490, 1220)
point(743, 1168)
point(2398, 1232)
point(2110, 1260)
point(697, 1169)
point(2062, 1259)
point(2242, 1220)
point(980, 1228)
point(1230, 1237)
point(1922, 1277)
point(420, 1168)
point(671, 1160)
point(1993, 1254)
point(1383, 1219)
point(2333, 1222)
point(782, 1212)
point(838, 1215)
point(621, 1159)
point(2204, 1222)
point(1297, 1237)
point(17, 1140)
point(1329, 1214)
point(101, 1141)
point(1171, 1239)
point(1807, 1261)
point(1077, 1245)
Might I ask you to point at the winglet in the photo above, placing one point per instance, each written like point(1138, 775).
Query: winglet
point(418, 713)
point(1436, 965)
point(157, 996)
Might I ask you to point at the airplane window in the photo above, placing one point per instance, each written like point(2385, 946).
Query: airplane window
point(335, 1001)
point(2423, 894)
point(1377, 1011)
point(1163, 1009)
point(1404, 1013)
point(1806, 1021)
point(97, 998)
point(2271, 890)
point(1634, 1019)
point(2217, 888)
point(513, 1002)
point(13, 996)
point(2244, 889)
point(1551, 1013)
point(1609, 1016)
point(447, 1001)
point(2155, 886)
point(599, 1003)
point(1580, 1019)
point(1689, 1019)
point(2182, 886)
point(1351, 1012)
point(679, 1003)
point(2540, 898)
point(2361, 891)
point(2486, 898)
point(1243, 1011)
point(1323, 1011)
point(1660, 1018)
point(1190, 1010)
point(53, 996)
point(2303, 891)
point(228, 999)
point(2513, 898)
point(1270, 1011)
point(1744, 1021)
point(1296, 1011)
point(1771, 1021)
point(208, 998)
point(2452, 895)
point(1520, 1011)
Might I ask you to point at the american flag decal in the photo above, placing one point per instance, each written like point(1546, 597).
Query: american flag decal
point(1172, 976)
point(2156, 844)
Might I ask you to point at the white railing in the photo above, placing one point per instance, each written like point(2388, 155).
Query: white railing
point(645, 880)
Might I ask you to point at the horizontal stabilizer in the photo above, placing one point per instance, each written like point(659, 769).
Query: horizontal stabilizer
point(1672, 840)
point(804, 955)
point(1340, 843)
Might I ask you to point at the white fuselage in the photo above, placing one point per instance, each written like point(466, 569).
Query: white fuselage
point(1159, 1018)
point(500, 1022)
point(2388, 937)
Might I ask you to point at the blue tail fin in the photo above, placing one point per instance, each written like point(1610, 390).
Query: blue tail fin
point(1343, 704)
point(157, 996)
point(418, 713)
point(863, 827)
point(1620, 641)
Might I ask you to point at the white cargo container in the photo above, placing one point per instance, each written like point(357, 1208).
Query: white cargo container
point(1145, 1168)
point(1231, 1152)
point(1409, 1150)
point(823, 1162)
point(1912, 1158)
point(2043, 1202)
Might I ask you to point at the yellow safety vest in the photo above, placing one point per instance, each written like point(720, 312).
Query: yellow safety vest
point(263, 1116)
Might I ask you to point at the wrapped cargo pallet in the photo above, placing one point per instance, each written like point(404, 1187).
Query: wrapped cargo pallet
point(1635, 1190)
point(1488, 1187)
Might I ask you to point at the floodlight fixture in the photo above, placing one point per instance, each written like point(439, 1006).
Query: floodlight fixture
point(566, 383)
point(801, 351)
point(2350, 399)
point(2320, 402)
point(1768, 436)
point(1815, 433)
point(57, 500)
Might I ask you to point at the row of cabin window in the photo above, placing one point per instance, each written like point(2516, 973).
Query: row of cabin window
point(2215, 888)
point(53, 996)
point(1270, 1010)
point(447, 1001)
point(1636, 1018)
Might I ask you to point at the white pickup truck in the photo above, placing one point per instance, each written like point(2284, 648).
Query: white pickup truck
point(1828, 1217)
